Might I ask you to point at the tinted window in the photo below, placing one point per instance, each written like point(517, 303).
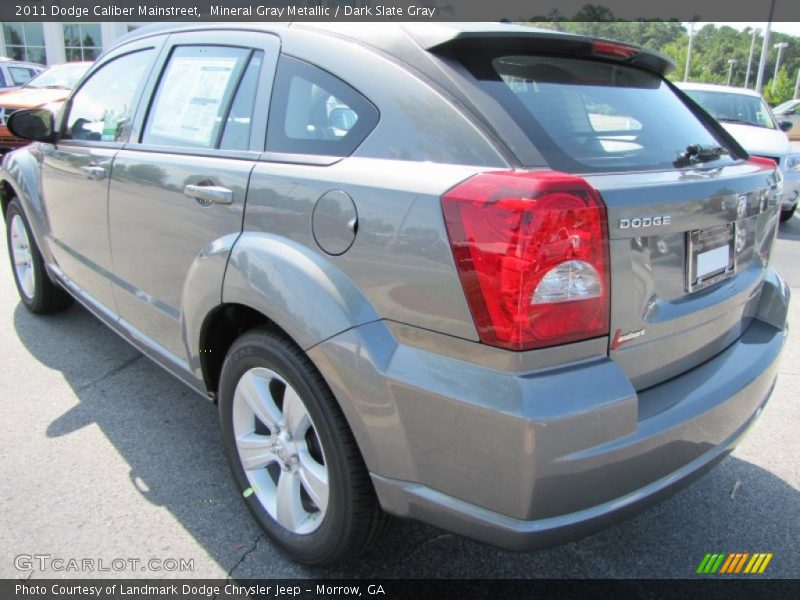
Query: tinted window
point(734, 108)
point(102, 109)
point(313, 112)
point(585, 115)
point(193, 96)
point(236, 135)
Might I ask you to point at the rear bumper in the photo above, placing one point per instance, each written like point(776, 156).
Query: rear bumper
point(527, 459)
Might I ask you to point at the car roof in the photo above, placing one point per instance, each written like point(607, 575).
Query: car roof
point(403, 39)
point(713, 87)
point(10, 61)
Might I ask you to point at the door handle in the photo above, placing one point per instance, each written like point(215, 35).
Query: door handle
point(93, 172)
point(209, 194)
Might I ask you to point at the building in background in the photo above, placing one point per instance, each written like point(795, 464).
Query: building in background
point(51, 43)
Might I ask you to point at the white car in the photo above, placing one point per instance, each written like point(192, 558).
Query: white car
point(746, 116)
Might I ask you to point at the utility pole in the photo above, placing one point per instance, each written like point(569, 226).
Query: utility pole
point(762, 63)
point(780, 46)
point(731, 62)
point(750, 58)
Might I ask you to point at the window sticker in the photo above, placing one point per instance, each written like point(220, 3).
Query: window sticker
point(191, 96)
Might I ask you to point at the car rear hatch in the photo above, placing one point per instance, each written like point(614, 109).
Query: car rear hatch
point(689, 251)
point(690, 219)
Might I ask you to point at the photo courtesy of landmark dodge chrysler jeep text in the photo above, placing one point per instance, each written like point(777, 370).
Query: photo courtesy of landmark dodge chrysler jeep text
point(403, 261)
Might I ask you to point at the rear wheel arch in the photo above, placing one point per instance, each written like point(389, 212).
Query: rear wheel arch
point(226, 324)
point(220, 329)
point(7, 193)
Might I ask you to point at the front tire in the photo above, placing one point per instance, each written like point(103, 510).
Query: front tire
point(37, 291)
point(292, 454)
point(787, 214)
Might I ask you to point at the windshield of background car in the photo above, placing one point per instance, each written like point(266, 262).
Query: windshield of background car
point(790, 104)
point(730, 107)
point(593, 116)
point(58, 77)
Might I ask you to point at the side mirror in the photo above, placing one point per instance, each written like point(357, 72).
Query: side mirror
point(786, 125)
point(37, 124)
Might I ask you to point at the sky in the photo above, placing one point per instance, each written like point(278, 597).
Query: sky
point(791, 28)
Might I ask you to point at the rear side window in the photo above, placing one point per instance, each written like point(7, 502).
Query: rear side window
point(314, 112)
point(593, 116)
point(193, 96)
point(20, 75)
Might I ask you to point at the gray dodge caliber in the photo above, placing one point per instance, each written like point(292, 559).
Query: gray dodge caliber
point(506, 281)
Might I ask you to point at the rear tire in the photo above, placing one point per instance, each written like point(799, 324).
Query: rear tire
point(787, 214)
point(39, 293)
point(292, 454)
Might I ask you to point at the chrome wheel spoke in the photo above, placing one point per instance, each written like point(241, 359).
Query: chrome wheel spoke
point(315, 480)
point(27, 281)
point(256, 451)
point(284, 464)
point(289, 505)
point(295, 413)
point(256, 393)
point(22, 256)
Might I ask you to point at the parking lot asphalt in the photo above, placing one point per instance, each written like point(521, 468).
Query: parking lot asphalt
point(106, 456)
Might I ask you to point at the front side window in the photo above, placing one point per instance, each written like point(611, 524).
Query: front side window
point(102, 109)
point(313, 112)
point(593, 116)
point(193, 96)
point(727, 107)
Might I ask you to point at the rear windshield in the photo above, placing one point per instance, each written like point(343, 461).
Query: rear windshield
point(593, 116)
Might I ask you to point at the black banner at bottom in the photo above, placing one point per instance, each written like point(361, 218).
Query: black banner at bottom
point(261, 589)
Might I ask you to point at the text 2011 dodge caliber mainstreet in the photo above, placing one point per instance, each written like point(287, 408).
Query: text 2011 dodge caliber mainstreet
point(505, 281)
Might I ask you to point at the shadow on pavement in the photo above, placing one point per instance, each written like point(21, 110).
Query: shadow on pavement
point(790, 230)
point(168, 435)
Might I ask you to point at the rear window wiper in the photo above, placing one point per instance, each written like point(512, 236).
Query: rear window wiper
point(696, 153)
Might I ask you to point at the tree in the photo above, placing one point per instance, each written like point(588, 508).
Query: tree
point(784, 88)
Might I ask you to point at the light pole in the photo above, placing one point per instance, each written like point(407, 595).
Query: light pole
point(780, 46)
point(731, 62)
point(689, 53)
point(797, 86)
point(762, 63)
point(750, 58)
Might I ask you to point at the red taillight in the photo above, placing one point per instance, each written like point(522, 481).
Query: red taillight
point(763, 161)
point(616, 49)
point(532, 253)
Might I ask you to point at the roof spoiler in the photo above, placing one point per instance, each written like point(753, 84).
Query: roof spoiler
point(524, 39)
